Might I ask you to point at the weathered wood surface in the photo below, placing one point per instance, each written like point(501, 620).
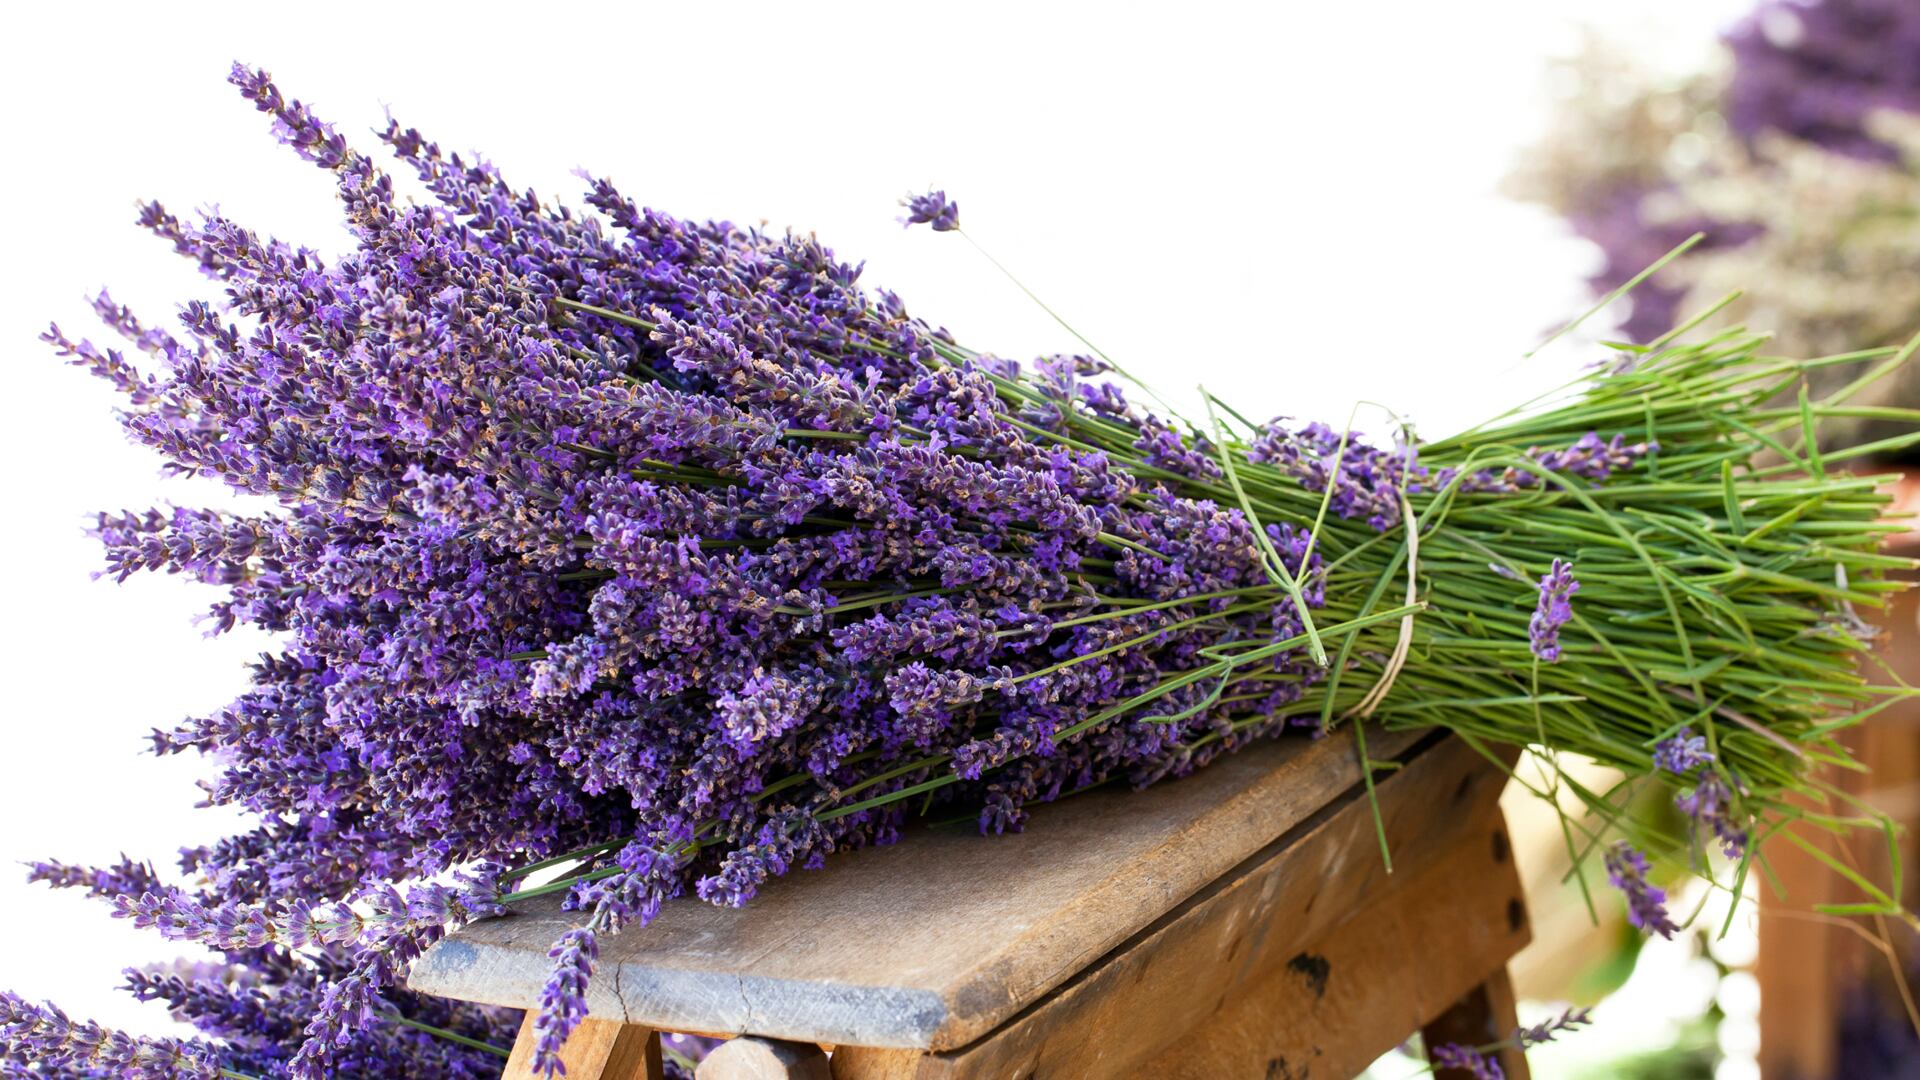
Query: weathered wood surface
point(1389, 969)
point(935, 942)
point(1308, 959)
point(597, 1050)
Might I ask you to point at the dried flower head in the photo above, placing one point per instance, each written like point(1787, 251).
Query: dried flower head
point(1646, 903)
point(934, 209)
point(1682, 752)
point(1553, 611)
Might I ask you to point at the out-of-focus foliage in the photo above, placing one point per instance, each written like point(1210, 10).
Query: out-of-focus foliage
point(1797, 153)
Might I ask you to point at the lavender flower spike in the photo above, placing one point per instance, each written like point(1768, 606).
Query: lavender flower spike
point(1682, 753)
point(933, 208)
point(1646, 903)
point(1545, 1030)
point(46, 1035)
point(1554, 611)
point(563, 1001)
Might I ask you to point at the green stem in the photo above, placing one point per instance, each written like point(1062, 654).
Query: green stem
point(450, 1036)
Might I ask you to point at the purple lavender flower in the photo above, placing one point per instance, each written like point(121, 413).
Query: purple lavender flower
point(1816, 71)
point(1682, 752)
point(1590, 458)
point(125, 878)
point(1646, 903)
point(45, 1035)
point(563, 1000)
point(1710, 804)
point(1467, 1059)
point(933, 208)
point(1481, 1065)
point(1594, 459)
point(293, 123)
point(1554, 610)
point(1546, 1030)
point(257, 1002)
point(1813, 70)
point(346, 1006)
point(1368, 481)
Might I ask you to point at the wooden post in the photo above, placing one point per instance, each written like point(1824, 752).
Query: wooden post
point(1808, 964)
point(1799, 993)
point(597, 1050)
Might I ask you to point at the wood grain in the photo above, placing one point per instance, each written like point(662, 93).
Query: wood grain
point(1391, 968)
point(936, 941)
point(1257, 962)
point(597, 1050)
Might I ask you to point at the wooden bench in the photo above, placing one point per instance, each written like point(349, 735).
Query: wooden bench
point(1237, 923)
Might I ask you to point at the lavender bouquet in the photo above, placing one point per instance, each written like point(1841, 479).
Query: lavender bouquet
point(638, 558)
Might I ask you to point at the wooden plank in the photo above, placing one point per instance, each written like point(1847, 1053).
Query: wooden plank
point(1392, 968)
point(1810, 965)
point(597, 1050)
point(1258, 962)
point(1799, 1003)
point(903, 946)
point(1485, 1015)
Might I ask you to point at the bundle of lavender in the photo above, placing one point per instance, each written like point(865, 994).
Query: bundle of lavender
point(656, 558)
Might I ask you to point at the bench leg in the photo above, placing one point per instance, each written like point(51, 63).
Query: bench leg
point(750, 1057)
point(1485, 1015)
point(597, 1050)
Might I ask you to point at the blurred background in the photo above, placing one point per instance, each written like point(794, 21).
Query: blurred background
point(1305, 207)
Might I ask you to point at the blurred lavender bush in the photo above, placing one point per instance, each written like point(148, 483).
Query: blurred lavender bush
point(1797, 154)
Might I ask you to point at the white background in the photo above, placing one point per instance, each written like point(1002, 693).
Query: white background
point(1297, 207)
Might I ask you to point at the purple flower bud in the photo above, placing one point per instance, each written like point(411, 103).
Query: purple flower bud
point(1710, 805)
point(1554, 610)
point(1682, 753)
point(1646, 903)
point(933, 209)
